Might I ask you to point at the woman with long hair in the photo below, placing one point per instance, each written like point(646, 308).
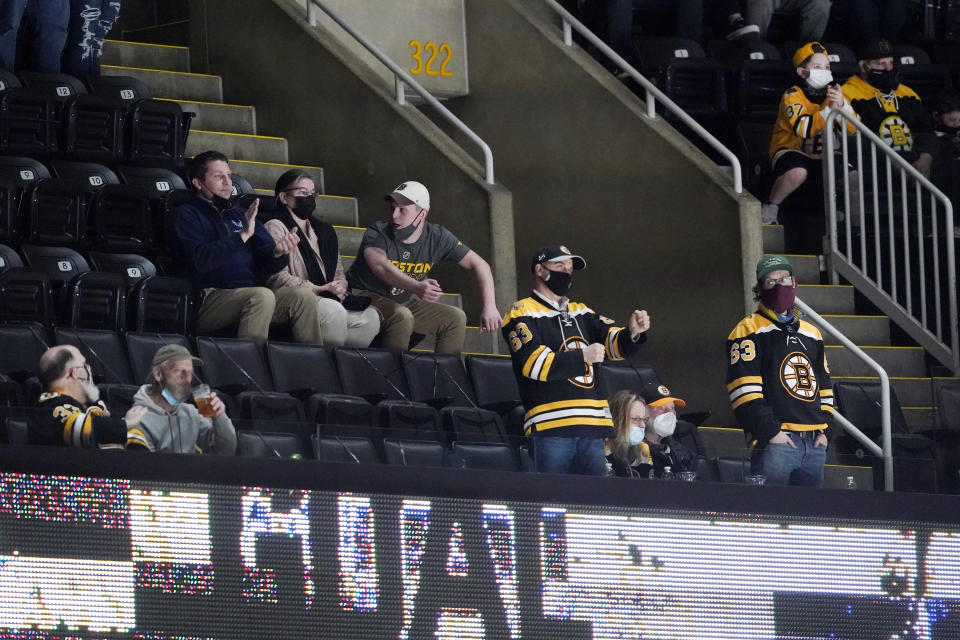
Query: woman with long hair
point(628, 454)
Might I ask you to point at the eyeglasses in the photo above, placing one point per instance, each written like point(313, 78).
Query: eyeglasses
point(785, 281)
point(85, 367)
point(301, 192)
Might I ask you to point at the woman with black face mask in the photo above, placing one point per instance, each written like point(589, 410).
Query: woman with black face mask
point(315, 264)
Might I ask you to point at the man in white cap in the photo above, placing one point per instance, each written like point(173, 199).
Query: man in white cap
point(170, 423)
point(393, 267)
point(557, 347)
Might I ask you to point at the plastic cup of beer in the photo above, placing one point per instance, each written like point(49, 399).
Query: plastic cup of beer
point(203, 398)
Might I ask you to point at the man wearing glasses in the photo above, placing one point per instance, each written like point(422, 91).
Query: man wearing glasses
point(779, 382)
point(70, 412)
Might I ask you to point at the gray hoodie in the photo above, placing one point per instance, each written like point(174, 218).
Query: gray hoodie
point(184, 430)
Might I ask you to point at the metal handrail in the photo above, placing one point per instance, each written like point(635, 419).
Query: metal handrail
point(401, 78)
point(652, 92)
point(886, 451)
point(874, 288)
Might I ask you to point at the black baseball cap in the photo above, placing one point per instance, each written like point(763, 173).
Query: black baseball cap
point(656, 394)
point(875, 49)
point(557, 253)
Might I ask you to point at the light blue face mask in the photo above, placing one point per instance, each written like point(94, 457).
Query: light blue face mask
point(169, 398)
point(636, 435)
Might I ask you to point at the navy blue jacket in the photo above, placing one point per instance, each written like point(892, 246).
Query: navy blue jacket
point(208, 243)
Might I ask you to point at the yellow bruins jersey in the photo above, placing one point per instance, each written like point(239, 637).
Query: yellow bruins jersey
point(898, 117)
point(800, 124)
point(777, 377)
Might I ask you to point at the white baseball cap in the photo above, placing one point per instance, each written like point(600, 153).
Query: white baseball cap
point(410, 192)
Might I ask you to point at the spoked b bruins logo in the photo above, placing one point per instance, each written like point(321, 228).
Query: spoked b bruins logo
point(586, 380)
point(797, 377)
point(896, 133)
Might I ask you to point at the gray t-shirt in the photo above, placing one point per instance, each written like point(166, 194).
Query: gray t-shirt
point(417, 259)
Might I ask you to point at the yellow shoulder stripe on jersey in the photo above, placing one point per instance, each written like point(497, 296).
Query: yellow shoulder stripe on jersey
point(523, 307)
point(810, 329)
point(574, 422)
point(745, 399)
point(744, 380)
point(749, 325)
point(578, 403)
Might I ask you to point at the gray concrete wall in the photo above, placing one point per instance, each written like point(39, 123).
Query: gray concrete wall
point(657, 223)
point(339, 115)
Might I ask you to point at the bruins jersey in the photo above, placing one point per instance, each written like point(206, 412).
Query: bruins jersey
point(777, 377)
point(898, 117)
point(563, 395)
point(800, 124)
point(61, 420)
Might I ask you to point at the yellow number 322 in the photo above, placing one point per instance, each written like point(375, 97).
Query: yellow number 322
point(431, 50)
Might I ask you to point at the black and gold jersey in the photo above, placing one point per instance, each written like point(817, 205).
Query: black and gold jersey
point(63, 420)
point(777, 377)
point(562, 395)
point(898, 117)
point(800, 124)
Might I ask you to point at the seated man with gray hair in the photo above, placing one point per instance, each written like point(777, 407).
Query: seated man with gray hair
point(171, 423)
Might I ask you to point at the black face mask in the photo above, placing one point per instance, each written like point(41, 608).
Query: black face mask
point(219, 203)
point(884, 80)
point(304, 206)
point(401, 234)
point(558, 282)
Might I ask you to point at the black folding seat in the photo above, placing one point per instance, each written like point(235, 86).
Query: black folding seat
point(141, 348)
point(308, 372)
point(414, 453)
point(485, 455)
point(352, 449)
point(56, 214)
point(466, 424)
point(760, 85)
point(753, 150)
point(697, 86)
point(157, 133)
point(17, 431)
point(27, 122)
point(126, 89)
point(496, 389)
point(9, 210)
point(62, 265)
point(59, 87)
point(107, 356)
point(9, 259)
point(158, 184)
point(266, 444)
point(624, 376)
point(927, 80)
point(377, 375)
point(9, 80)
point(733, 470)
point(22, 172)
point(26, 296)
point(11, 395)
point(23, 344)
point(120, 220)
point(241, 186)
point(163, 305)
point(915, 463)
point(98, 301)
point(658, 52)
point(843, 61)
point(132, 267)
point(238, 368)
point(92, 128)
point(87, 176)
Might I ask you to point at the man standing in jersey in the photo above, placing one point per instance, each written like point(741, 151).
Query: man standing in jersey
point(557, 347)
point(393, 268)
point(779, 383)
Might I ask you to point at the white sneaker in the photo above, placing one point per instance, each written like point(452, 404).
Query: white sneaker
point(769, 213)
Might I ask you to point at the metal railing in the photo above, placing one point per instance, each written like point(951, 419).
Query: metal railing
point(403, 79)
point(653, 94)
point(886, 451)
point(893, 272)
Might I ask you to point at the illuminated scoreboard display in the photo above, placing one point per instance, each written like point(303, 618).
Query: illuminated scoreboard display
point(84, 557)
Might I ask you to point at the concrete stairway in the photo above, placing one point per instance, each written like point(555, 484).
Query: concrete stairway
point(906, 365)
point(232, 129)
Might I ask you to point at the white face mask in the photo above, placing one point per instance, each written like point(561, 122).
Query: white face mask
point(664, 424)
point(819, 78)
point(636, 435)
point(92, 391)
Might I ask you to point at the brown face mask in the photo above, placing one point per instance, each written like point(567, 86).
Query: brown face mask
point(779, 298)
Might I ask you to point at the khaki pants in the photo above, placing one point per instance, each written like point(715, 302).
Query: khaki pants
point(399, 321)
point(256, 307)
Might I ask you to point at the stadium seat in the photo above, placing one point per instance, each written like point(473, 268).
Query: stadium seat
point(309, 373)
point(414, 453)
point(466, 424)
point(23, 344)
point(753, 150)
point(9, 80)
point(157, 134)
point(163, 305)
point(132, 267)
point(59, 87)
point(92, 128)
point(9, 209)
point(658, 52)
point(345, 449)
point(27, 123)
point(927, 80)
point(90, 177)
point(241, 186)
point(56, 214)
point(16, 431)
point(26, 296)
point(265, 444)
point(23, 172)
point(158, 184)
point(120, 220)
point(105, 352)
point(496, 389)
point(141, 348)
point(62, 265)
point(98, 301)
point(9, 259)
point(11, 395)
point(233, 365)
point(624, 376)
point(697, 86)
point(126, 89)
point(438, 379)
point(733, 470)
point(485, 455)
point(760, 85)
point(948, 406)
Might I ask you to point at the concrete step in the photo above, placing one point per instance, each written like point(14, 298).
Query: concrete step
point(241, 146)
point(216, 116)
point(177, 85)
point(340, 211)
point(263, 175)
point(773, 238)
point(917, 392)
point(920, 418)
point(806, 268)
point(859, 329)
point(827, 298)
point(723, 442)
point(900, 362)
point(145, 56)
point(474, 342)
point(349, 238)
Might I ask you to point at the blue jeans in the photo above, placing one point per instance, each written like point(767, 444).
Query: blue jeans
point(45, 31)
point(801, 465)
point(90, 22)
point(584, 456)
